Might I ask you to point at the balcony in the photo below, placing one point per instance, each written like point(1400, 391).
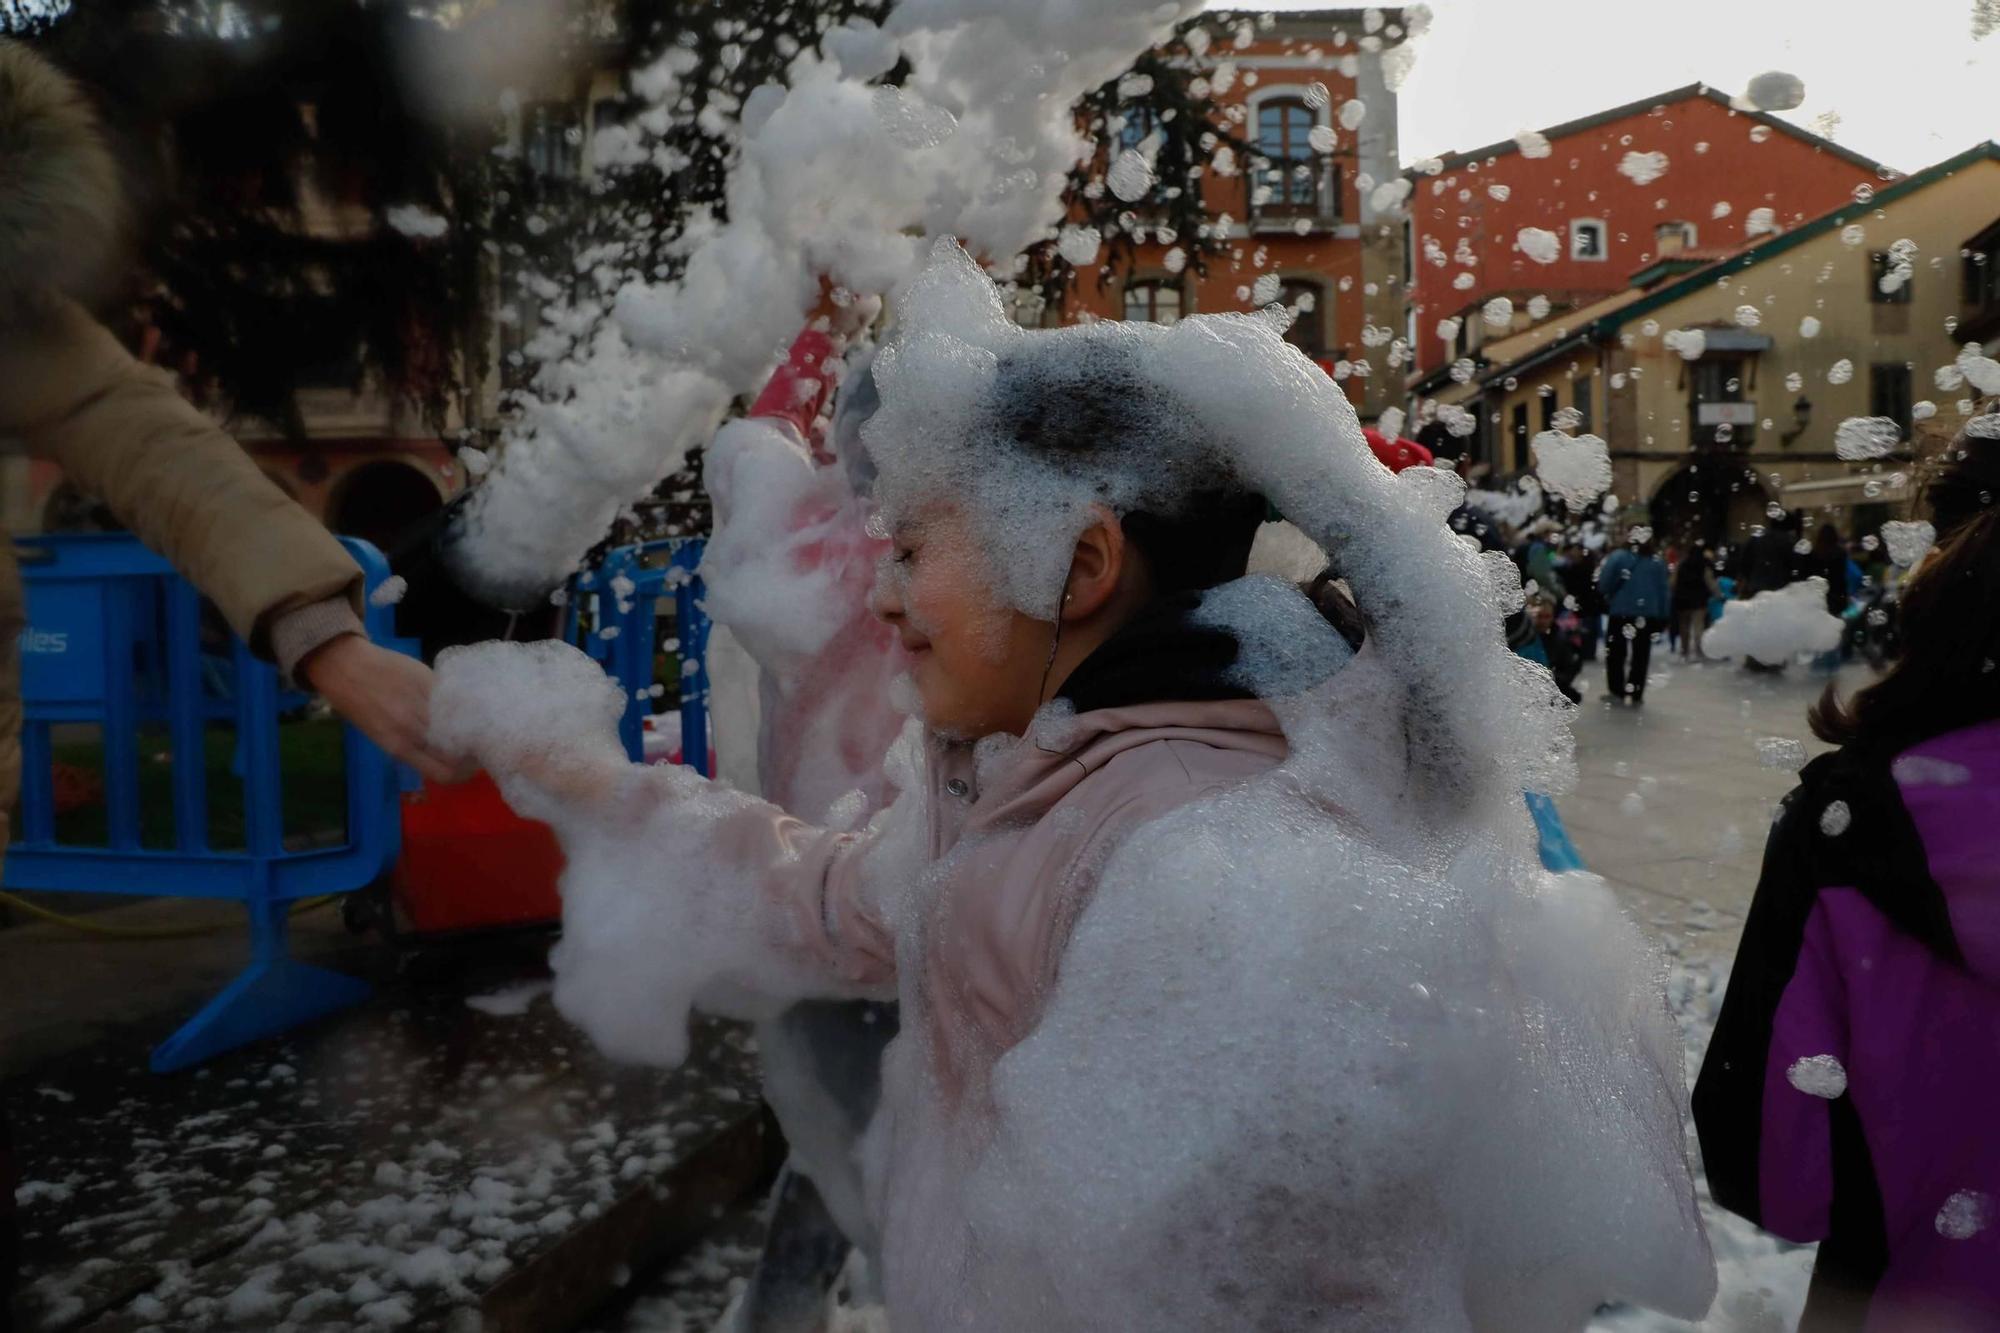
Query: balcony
point(1298, 196)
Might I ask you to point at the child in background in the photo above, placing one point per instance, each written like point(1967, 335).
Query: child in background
point(1725, 593)
point(1231, 994)
point(1694, 590)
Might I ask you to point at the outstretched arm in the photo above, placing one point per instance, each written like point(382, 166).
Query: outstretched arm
point(121, 432)
point(679, 893)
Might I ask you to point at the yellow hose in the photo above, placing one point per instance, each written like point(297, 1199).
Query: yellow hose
point(88, 926)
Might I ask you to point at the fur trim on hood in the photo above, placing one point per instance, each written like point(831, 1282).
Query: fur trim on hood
point(59, 191)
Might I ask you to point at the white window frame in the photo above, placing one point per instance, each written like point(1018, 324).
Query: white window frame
point(1690, 232)
point(1176, 283)
point(1576, 226)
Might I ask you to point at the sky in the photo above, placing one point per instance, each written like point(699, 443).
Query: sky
point(1910, 84)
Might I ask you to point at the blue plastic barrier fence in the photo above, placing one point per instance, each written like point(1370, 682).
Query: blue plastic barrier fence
point(114, 640)
point(622, 595)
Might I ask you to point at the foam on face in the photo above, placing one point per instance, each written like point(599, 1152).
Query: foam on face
point(834, 177)
point(1214, 401)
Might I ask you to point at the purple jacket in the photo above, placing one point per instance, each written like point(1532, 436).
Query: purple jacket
point(1852, 1092)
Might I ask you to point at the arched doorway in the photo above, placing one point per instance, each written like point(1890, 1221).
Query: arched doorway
point(1714, 501)
point(384, 502)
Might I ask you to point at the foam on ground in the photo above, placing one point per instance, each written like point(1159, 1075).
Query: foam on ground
point(1774, 627)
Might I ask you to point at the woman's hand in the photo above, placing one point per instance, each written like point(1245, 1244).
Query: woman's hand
point(387, 696)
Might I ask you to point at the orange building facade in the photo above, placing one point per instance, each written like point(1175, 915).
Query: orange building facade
point(1302, 221)
point(1682, 172)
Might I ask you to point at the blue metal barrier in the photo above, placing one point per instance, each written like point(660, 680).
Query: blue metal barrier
point(622, 594)
point(114, 640)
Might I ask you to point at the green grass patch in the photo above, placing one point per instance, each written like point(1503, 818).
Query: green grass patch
point(312, 787)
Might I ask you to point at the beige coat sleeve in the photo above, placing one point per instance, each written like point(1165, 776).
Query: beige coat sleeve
point(122, 433)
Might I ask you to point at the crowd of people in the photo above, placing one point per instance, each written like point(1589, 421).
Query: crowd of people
point(1590, 599)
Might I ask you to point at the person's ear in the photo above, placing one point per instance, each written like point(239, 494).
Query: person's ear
point(1096, 567)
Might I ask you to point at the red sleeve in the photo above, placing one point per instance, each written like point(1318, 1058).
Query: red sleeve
point(799, 389)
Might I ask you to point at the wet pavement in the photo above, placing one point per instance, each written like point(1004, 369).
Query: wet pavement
point(451, 1149)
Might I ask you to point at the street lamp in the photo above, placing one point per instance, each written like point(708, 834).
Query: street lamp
point(1801, 418)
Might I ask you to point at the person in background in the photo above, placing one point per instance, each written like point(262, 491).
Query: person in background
point(1718, 601)
point(1543, 641)
point(1851, 1090)
point(1829, 561)
point(1540, 565)
point(790, 512)
point(1633, 582)
point(1581, 581)
point(1770, 559)
point(1694, 587)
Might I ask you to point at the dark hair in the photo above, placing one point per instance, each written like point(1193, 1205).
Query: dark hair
point(1090, 404)
point(1207, 545)
point(1827, 544)
point(1950, 620)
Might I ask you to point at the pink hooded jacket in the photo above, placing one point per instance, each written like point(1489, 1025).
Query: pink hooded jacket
point(1018, 840)
point(959, 899)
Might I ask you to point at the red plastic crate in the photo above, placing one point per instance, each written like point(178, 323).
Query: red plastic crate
point(470, 863)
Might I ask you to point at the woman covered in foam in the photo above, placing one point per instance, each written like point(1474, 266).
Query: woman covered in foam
point(1233, 993)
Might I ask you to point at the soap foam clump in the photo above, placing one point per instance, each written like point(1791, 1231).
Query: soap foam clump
point(1773, 627)
point(833, 177)
point(656, 921)
point(1402, 1063)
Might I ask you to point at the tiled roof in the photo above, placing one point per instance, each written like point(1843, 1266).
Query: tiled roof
point(1600, 323)
point(1646, 104)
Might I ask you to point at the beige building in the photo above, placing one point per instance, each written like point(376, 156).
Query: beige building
point(1720, 385)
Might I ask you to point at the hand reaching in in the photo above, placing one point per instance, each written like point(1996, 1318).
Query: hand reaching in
point(386, 695)
point(542, 718)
